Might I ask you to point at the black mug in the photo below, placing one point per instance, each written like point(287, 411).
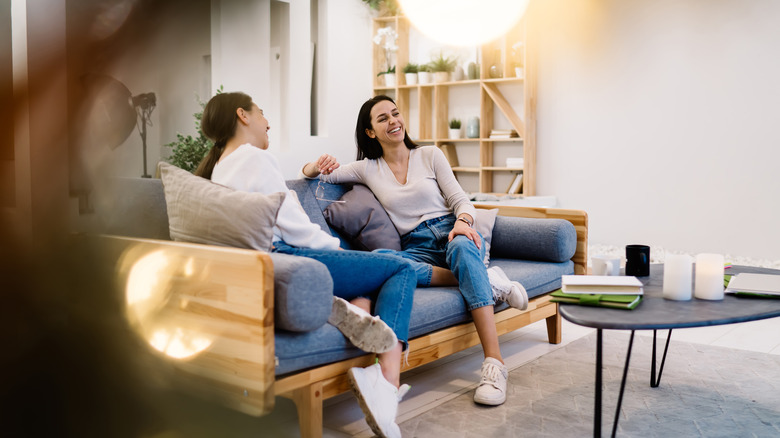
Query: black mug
point(638, 260)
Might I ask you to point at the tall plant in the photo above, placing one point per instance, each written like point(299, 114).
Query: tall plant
point(188, 151)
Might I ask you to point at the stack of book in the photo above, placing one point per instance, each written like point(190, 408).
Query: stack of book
point(503, 133)
point(764, 285)
point(617, 292)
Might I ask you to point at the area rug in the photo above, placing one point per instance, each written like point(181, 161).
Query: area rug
point(705, 391)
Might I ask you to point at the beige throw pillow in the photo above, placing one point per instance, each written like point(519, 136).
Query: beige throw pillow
point(201, 211)
point(484, 223)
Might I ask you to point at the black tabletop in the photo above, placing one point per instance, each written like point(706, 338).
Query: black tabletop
point(657, 313)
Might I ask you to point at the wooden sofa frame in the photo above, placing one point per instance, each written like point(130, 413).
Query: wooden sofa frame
point(228, 295)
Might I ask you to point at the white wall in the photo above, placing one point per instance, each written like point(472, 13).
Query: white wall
point(660, 119)
point(656, 117)
point(345, 48)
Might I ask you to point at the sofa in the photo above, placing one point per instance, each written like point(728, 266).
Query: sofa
point(265, 314)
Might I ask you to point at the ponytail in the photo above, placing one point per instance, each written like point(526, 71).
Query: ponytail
point(206, 166)
point(218, 123)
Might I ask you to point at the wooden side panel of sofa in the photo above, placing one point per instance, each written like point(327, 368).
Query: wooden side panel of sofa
point(221, 299)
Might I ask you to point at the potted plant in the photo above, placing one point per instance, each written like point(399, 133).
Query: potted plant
point(442, 66)
point(187, 151)
point(454, 129)
point(386, 38)
point(410, 73)
point(424, 75)
point(389, 76)
point(384, 8)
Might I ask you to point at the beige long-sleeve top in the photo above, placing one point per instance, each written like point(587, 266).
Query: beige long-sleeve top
point(431, 189)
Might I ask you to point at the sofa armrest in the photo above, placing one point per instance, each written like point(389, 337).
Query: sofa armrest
point(303, 293)
point(578, 218)
point(214, 303)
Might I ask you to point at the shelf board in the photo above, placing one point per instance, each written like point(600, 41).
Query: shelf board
point(500, 80)
point(502, 169)
point(466, 169)
point(457, 140)
point(511, 139)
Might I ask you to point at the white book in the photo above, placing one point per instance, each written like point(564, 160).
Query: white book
point(755, 283)
point(601, 284)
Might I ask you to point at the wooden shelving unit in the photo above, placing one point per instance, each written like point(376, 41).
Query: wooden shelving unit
point(431, 104)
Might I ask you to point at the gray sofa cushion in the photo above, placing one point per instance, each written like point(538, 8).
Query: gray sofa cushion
point(434, 308)
point(546, 240)
point(135, 207)
point(303, 293)
point(363, 221)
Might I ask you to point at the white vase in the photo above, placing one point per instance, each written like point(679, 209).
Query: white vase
point(519, 72)
point(441, 76)
point(424, 77)
point(389, 80)
point(458, 74)
point(411, 78)
point(454, 133)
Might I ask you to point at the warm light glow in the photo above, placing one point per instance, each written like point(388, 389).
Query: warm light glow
point(164, 324)
point(178, 343)
point(464, 22)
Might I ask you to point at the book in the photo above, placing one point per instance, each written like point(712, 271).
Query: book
point(766, 284)
point(451, 154)
point(503, 133)
point(517, 185)
point(627, 302)
point(602, 284)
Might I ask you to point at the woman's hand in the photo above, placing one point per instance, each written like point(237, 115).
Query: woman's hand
point(462, 228)
point(326, 164)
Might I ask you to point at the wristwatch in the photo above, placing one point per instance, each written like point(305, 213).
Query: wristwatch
point(468, 222)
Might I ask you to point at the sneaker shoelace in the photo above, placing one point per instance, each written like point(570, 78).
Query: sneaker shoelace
point(490, 373)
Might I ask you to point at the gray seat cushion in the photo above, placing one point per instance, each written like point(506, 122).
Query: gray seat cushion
point(434, 308)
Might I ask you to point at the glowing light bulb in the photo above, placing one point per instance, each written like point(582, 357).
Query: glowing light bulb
point(463, 22)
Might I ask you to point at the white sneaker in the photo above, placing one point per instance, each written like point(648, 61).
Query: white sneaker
point(378, 399)
point(492, 386)
point(512, 292)
point(366, 332)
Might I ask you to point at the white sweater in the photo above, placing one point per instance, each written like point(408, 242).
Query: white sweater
point(431, 189)
point(252, 169)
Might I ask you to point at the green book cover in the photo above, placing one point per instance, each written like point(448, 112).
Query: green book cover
point(627, 302)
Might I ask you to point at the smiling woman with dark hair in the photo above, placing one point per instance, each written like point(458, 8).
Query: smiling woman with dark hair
point(417, 187)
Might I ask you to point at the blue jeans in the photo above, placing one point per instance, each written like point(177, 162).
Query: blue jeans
point(427, 246)
point(388, 281)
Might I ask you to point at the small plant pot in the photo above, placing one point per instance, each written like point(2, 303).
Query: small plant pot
point(441, 76)
point(424, 77)
point(389, 80)
point(411, 78)
point(454, 133)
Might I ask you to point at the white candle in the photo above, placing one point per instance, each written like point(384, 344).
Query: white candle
point(678, 277)
point(709, 277)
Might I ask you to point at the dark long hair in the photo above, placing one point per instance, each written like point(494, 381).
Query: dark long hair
point(218, 123)
point(368, 147)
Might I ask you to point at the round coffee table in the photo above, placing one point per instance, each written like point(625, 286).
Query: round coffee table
point(656, 313)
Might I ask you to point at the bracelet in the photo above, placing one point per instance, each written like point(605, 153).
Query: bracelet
point(466, 221)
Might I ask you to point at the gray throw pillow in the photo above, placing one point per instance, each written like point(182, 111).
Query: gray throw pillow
point(363, 221)
point(201, 211)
